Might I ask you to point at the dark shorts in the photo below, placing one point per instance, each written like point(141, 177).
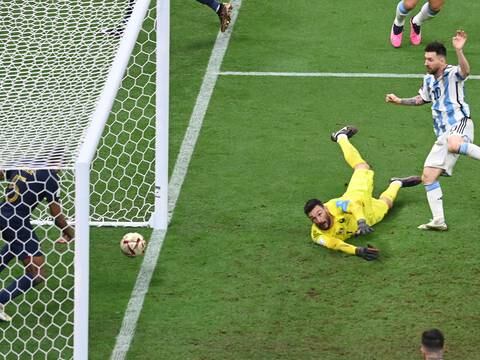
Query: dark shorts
point(20, 236)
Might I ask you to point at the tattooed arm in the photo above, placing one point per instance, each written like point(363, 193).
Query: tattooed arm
point(416, 100)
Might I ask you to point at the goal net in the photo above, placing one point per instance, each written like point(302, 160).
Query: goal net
point(73, 74)
point(55, 60)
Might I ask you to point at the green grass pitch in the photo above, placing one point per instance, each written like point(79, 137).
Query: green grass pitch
point(238, 277)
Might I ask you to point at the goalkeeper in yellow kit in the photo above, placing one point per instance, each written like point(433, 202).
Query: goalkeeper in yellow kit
point(356, 210)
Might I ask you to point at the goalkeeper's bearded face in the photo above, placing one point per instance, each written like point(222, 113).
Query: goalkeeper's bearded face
point(320, 217)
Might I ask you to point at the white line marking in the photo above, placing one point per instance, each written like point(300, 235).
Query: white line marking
point(328, 74)
point(140, 289)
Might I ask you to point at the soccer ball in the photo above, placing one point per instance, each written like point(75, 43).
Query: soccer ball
point(133, 244)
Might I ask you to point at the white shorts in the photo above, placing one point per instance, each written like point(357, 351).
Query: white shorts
point(439, 157)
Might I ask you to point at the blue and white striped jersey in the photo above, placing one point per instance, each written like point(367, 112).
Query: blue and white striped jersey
point(447, 96)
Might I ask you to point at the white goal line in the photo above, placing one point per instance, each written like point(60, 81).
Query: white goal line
point(329, 74)
point(135, 304)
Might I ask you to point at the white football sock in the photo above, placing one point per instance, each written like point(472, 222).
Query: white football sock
point(425, 14)
point(434, 197)
point(401, 14)
point(470, 150)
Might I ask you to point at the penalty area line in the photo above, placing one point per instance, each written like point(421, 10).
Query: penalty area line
point(135, 304)
point(329, 74)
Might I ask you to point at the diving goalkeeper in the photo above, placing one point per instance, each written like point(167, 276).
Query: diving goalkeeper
point(356, 210)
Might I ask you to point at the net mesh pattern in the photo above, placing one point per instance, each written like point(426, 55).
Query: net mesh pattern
point(54, 60)
point(55, 56)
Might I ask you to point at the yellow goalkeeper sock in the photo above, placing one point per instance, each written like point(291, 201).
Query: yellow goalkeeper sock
point(350, 153)
point(392, 191)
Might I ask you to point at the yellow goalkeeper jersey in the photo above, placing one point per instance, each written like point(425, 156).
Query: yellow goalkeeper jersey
point(355, 204)
point(345, 214)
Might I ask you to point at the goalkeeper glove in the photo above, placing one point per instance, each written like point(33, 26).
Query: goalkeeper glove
point(363, 228)
point(369, 253)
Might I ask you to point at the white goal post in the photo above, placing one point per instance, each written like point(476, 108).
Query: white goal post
point(84, 89)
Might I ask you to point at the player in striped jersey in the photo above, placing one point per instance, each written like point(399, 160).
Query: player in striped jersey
point(356, 210)
point(443, 87)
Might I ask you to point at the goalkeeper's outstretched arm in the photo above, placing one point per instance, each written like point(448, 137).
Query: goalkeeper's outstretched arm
point(368, 253)
point(335, 244)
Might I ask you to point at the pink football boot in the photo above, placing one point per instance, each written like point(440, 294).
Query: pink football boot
point(396, 36)
point(415, 33)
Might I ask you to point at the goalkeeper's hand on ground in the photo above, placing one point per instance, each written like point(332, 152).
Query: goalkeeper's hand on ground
point(363, 228)
point(369, 253)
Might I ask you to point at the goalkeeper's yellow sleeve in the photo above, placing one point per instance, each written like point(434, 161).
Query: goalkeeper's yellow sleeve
point(335, 244)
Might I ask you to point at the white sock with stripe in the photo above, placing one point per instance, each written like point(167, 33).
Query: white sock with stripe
point(470, 150)
point(401, 14)
point(435, 201)
point(425, 13)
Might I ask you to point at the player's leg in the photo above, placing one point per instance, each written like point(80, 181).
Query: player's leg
point(8, 235)
point(8, 252)
point(435, 199)
point(439, 161)
point(468, 149)
point(429, 10)
point(27, 248)
point(223, 10)
point(350, 153)
point(212, 4)
point(460, 140)
point(396, 183)
point(376, 209)
point(360, 188)
point(403, 9)
point(5, 256)
point(34, 275)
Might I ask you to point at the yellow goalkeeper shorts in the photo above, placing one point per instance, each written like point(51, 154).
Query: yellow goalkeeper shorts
point(360, 188)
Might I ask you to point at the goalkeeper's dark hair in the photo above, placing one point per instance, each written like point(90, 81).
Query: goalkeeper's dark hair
point(436, 47)
point(433, 340)
point(310, 204)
